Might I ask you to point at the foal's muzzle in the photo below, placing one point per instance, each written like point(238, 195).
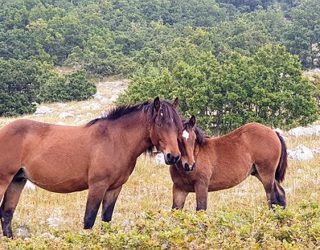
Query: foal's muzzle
point(171, 159)
point(188, 167)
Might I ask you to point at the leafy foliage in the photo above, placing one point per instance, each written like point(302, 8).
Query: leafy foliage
point(106, 37)
point(19, 86)
point(23, 83)
point(66, 88)
point(178, 229)
point(267, 87)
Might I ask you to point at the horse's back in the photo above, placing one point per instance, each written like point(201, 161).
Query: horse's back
point(262, 142)
point(21, 127)
point(248, 144)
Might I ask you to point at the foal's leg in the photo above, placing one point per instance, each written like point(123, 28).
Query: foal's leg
point(179, 197)
point(109, 201)
point(95, 196)
point(9, 203)
point(267, 178)
point(201, 195)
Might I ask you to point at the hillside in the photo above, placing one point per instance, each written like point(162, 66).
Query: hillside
point(236, 218)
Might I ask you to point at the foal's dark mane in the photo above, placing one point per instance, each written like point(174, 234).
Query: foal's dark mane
point(200, 136)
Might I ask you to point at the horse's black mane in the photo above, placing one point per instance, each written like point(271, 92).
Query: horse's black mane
point(119, 111)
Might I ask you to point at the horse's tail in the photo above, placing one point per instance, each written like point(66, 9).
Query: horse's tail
point(283, 162)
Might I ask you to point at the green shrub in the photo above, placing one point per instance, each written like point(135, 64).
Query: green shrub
point(23, 83)
point(19, 86)
point(229, 228)
point(71, 87)
point(267, 87)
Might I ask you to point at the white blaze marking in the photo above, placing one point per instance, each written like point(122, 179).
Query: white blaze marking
point(185, 134)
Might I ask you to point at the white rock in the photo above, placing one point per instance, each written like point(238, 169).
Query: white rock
point(30, 186)
point(300, 153)
point(55, 219)
point(48, 236)
point(92, 106)
point(42, 110)
point(300, 171)
point(64, 115)
point(22, 232)
point(305, 131)
point(98, 96)
point(159, 159)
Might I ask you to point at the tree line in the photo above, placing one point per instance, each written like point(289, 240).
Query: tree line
point(215, 51)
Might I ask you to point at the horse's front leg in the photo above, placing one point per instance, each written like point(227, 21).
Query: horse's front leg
point(109, 201)
point(179, 197)
point(95, 196)
point(201, 190)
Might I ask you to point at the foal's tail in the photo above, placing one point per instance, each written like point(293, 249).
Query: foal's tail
point(283, 163)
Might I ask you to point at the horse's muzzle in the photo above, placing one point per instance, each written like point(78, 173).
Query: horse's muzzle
point(171, 159)
point(188, 167)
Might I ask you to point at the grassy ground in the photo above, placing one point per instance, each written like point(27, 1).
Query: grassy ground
point(236, 218)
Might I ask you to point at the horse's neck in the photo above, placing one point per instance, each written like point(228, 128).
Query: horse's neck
point(134, 133)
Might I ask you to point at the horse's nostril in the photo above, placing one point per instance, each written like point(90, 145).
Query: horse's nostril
point(193, 165)
point(186, 167)
point(169, 157)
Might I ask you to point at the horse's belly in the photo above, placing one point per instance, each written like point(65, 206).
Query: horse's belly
point(225, 182)
point(66, 185)
point(56, 179)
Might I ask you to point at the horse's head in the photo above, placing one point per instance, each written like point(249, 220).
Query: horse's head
point(191, 136)
point(166, 129)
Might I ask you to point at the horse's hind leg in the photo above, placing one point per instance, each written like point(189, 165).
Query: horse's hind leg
point(280, 194)
point(268, 181)
point(4, 184)
point(9, 204)
point(109, 201)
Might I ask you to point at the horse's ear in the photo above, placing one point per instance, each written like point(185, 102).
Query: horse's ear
point(156, 103)
point(192, 121)
point(175, 102)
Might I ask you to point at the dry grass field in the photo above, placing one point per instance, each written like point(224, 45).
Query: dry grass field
point(237, 218)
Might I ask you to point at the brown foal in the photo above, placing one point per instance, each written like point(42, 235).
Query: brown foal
point(99, 156)
point(216, 163)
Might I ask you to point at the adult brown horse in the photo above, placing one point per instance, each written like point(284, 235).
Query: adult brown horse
point(216, 163)
point(99, 156)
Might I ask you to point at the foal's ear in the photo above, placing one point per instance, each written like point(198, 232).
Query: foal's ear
point(156, 103)
point(175, 102)
point(192, 121)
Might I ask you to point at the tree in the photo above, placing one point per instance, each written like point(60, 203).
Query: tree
point(19, 86)
point(267, 87)
point(303, 35)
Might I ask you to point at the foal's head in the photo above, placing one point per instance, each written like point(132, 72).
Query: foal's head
point(166, 129)
point(191, 136)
